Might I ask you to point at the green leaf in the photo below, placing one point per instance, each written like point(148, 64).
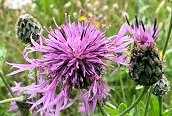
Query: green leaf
point(129, 115)
point(110, 111)
point(154, 106)
point(167, 113)
point(141, 108)
point(122, 107)
point(111, 105)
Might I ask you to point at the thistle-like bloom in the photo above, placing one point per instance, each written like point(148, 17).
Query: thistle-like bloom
point(145, 64)
point(72, 59)
point(143, 36)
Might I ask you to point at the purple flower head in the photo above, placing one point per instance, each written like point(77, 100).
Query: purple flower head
point(143, 37)
point(13, 107)
point(18, 90)
point(72, 59)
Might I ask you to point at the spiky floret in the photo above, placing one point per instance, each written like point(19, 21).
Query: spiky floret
point(73, 58)
point(145, 63)
point(161, 87)
point(28, 26)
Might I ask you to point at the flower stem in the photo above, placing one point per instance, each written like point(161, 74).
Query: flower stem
point(21, 98)
point(9, 89)
point(102, 110)
point(6, 84)
point(160, 105)
point(123, 92)
point(168, 36)
point(148, 100)
point(136, 102)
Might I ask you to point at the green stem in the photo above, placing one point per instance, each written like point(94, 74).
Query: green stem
point(123, 92)
point(9, 89)
point(148, 100)
point(168, 36)
point(102, 110)
point(136, 102)
point(6, 84)
point(21, 98)
point(160, 105)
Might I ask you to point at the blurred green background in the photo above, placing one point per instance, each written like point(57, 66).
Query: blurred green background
point(108, 12)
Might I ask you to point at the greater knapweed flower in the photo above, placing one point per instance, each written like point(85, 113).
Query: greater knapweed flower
point(145, 64)
point(70, 68)
point(28, 26)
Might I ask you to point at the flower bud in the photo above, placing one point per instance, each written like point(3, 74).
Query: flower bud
point(161, 87)
point(28, 26)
